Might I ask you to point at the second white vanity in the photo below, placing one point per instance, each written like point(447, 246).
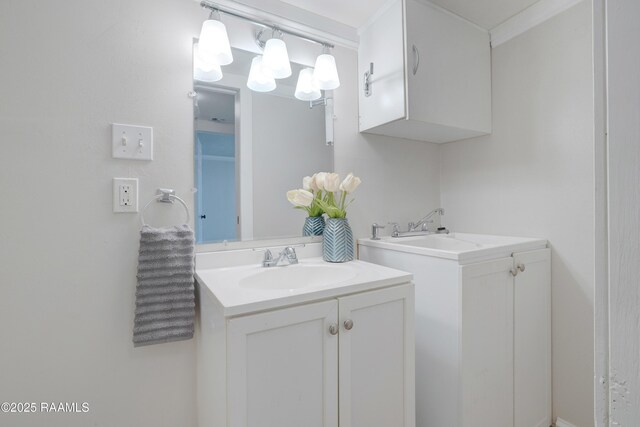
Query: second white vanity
point(483, 326)
point(312, 344)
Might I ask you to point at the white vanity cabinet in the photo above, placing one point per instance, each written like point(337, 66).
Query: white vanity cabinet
point(346, 361)
point(483, 329)
point(431, 76)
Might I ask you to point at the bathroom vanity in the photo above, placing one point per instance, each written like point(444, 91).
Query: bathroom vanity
point(483, 326)
point(312, 344)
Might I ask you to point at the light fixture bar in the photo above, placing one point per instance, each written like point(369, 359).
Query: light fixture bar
point(216, 8)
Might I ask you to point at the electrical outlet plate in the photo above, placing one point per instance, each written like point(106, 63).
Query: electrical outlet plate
point(132, 142)
point(125, 195)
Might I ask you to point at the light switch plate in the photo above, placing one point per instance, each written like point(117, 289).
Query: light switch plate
point(132, 142)
point(125, 195)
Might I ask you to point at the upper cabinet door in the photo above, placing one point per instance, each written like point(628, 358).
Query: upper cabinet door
point(532, 336)
point(283, 368)
point(382, 44)
point(377, 359)
point(448, 69)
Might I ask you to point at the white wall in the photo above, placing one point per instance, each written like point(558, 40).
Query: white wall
point(67, 263)
point(623, 33)
point(534, 177)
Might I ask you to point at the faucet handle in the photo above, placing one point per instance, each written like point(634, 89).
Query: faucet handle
point(268, 256)
point(291, 254)
point(396, 228)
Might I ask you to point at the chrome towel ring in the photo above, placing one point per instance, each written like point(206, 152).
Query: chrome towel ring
point(165, 195)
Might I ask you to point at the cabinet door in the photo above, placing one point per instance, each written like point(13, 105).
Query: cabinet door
point(486, 328)
point(377, 366)
point(448, 70)
point(381, 43)
point(283, 368)
point(532, 336)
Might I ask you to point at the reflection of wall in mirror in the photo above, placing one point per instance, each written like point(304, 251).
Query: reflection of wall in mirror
point(288, 144)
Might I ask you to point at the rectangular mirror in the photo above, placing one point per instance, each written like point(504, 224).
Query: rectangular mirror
point(250, 148)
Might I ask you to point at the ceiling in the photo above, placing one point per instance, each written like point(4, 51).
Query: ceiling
point(355, 13)
point(486, 13)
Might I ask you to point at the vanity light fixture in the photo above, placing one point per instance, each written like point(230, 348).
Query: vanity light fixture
point(214, 41)
point(274, 64)
point(276, 57)
point(260, 77)
point(325, 72)
point(307, 89)
point(205, 71)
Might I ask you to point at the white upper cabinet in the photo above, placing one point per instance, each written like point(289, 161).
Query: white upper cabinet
point(431, 76)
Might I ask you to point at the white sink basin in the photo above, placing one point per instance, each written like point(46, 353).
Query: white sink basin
point(443, 242)
point(297, 276)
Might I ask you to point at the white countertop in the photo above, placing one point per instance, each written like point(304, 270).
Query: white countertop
point(224, 284)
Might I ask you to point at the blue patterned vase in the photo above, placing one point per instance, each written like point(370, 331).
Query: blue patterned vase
point(313, 226)
point(337, 241)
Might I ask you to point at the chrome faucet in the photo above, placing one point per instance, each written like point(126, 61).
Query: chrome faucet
point(421, 227)
point(422, 224)
point(288, 254)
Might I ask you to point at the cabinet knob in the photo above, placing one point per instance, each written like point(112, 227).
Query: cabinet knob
point(514, 271)
point(348, 324)
point(333, 329)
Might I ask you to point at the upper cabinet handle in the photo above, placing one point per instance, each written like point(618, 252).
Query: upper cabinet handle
point(416, 59)
point(520, 267)
point(367, 80)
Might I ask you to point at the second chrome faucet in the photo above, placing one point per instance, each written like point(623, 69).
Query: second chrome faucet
point(418, 228)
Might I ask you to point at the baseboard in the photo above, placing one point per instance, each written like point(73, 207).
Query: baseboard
point(562, 423)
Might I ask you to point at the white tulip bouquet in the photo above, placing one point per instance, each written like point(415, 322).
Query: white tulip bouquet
point(324, 193)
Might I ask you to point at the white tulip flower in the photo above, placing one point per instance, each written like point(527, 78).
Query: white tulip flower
point(309, 183)
point(320, 177)
point(350, 183)
point(300, 198)
point(332, 182)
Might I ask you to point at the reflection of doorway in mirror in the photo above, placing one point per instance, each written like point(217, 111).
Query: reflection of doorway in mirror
point(216, 169)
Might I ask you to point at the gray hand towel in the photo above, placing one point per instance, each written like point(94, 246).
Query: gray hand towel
point(165, 300)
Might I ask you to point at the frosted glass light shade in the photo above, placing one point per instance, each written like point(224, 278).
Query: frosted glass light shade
point(212, 75)
point(306, 89)
point(325, 73)
point(205, 71)
point(214, 43)
point(260, 77)
point(276, 58)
